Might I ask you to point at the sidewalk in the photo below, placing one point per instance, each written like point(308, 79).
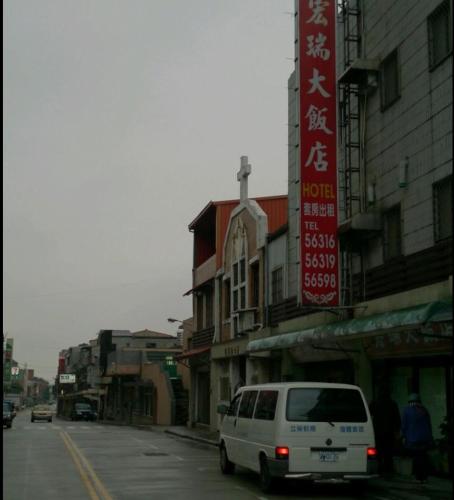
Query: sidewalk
point(401, 486)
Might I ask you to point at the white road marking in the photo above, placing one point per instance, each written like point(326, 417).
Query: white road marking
point(85, 427)
point(141, 441)
point(70, 427)
point(178, 458)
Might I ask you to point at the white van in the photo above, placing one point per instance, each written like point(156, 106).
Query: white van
point(299, 430)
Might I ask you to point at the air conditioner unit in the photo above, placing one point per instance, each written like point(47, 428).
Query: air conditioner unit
point(245, 320)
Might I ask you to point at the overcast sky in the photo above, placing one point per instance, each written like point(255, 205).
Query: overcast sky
point(122, 120)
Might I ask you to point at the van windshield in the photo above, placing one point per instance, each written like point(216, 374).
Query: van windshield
point(325, 405)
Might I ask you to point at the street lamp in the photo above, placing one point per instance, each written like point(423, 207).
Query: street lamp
point(174, 320)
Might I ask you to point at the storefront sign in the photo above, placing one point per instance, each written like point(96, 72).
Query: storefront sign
point(425, 340)
point(317, 145)
point(67, 378)
point(8, 357)
point(231, 351)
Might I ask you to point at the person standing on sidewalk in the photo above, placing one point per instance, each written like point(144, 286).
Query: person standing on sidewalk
point(417, 435)
point(386, 419)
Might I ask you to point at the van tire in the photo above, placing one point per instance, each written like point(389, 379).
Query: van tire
point(266, 481)
point(227, 467)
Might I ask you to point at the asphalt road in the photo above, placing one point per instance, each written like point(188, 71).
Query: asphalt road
point(66, 460)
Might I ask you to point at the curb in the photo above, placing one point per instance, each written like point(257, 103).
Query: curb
point(193, 438)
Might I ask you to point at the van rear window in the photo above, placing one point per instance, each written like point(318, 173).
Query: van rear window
point(325, 405)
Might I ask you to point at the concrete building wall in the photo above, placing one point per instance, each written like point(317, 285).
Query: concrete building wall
point(162, 404)
point(417, 127)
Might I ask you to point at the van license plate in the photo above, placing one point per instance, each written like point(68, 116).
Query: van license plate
point(328, 456)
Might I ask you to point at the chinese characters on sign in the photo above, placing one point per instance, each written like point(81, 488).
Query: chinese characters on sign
point(318, 168)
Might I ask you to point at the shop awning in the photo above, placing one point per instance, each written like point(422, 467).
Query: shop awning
point(193, 352)
point(401, 318)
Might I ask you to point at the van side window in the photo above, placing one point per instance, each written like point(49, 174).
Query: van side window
point(233, 408)
point(266, 405)
point(247, 404)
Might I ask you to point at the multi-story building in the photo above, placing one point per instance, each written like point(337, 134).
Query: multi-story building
point(393, 322)
point(141, 381)
point(228, 293)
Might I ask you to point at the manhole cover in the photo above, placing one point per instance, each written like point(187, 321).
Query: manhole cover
point(155, 454)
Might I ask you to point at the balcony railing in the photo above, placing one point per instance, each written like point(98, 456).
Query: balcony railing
point(203, 337)
point(404, 273)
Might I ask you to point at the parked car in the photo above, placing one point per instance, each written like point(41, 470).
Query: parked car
point(12, 407)
point(83, 411)
point(305, 430)
point(7, 415)
point(41, 412)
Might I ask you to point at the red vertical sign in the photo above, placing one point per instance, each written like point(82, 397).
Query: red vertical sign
point(318, 168)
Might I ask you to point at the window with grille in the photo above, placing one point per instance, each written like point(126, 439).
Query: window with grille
point(209, 310)
point(277, 292)
point(199, 300)
point(255, 285)
point(239, 284)
point(389, 80)
point(392, 244)
point(442, 196)
point(439, 31)
point(226, 299)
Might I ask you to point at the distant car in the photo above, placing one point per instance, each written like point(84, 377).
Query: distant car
point(7, 415)
point(12, 407)
point(83, 411)
point(41, 412)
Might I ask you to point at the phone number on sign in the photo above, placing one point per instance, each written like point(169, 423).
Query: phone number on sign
point(320, 280)
point(321, 261)
point(319, 241)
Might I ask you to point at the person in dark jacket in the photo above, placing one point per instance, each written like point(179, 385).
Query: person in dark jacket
point(417, 435)
point(386, 419)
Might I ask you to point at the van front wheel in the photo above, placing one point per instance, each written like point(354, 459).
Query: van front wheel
point(227, 467)
point(266, 481)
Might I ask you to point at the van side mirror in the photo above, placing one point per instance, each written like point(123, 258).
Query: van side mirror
point(222, 409)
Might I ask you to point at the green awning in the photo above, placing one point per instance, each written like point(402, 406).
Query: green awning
point(401, 318)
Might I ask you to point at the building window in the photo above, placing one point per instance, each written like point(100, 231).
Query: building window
point(199, 299)
point(239, 284)
point(226, 299)
point(392, 244)
point(208, 310)
point(439, 31)
point(150, 345)
point(442, 196)
point(389, 80)
point(277, 292)
point(224, 388)
point(255, 285)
